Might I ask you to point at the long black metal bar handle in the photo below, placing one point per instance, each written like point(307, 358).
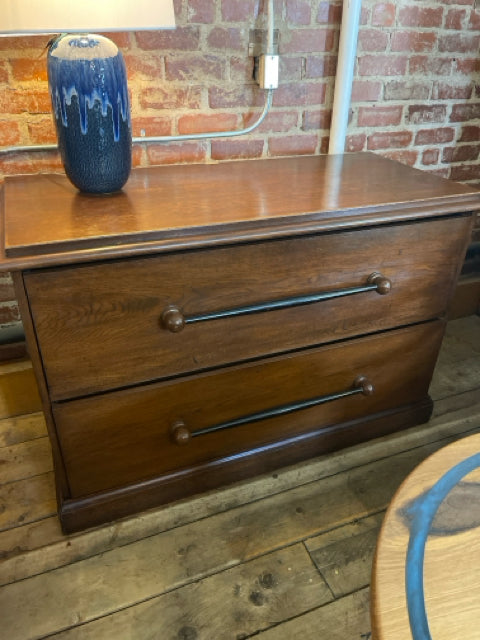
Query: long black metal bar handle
point(173, 319)
point(181, 434)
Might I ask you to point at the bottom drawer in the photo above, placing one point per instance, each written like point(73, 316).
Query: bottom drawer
point(124, 437)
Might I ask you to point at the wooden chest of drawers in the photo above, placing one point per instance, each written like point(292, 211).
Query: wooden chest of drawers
point(216, 321)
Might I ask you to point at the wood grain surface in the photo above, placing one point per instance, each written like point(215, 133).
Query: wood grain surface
point(183, 206)
point(426, 577)
point(107, 317)
point(114, 379)
point(90, 427)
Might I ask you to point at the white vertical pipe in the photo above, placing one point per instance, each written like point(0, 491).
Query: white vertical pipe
point(347, 50)
point(270, 28)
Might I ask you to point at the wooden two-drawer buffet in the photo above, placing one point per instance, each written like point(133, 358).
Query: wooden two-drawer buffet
point(212, 322)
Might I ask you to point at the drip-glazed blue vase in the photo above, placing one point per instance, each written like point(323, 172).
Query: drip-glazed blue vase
point(88, 87)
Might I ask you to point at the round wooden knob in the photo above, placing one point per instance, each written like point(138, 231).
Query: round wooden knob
point(180, 434)
point(383, 284)
point(173, 319)
point(363, 383)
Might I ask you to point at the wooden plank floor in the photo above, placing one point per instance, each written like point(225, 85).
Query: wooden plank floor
point(281, 557)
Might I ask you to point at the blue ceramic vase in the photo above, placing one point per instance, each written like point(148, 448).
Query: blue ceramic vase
point(88, 87)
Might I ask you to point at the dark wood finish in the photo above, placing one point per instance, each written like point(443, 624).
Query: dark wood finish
point(110, 505)
point(61, 481)
point(182, 435)
point(108, 287)
point(466, 300)
point(102, 451)
point(383, 284)
point(13, 351)
point(173, 319)
point(114, 309)
point(178, 207)
point(179, 433)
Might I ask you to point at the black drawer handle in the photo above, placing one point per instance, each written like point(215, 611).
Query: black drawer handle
point(173, 319)
point(181, 434)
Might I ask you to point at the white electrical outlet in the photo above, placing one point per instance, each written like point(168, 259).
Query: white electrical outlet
point(267, 74)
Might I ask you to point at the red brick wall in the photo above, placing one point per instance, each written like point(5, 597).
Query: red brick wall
point(9, 314)
point(416, 95)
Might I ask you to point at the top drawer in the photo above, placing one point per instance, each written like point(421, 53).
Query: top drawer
point(100, 326)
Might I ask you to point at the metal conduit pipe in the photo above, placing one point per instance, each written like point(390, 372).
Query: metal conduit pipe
point(270, 29)
point(153, 139)
point(32, 147)
point(347, 50)
point(214, 134)
point(181, 138)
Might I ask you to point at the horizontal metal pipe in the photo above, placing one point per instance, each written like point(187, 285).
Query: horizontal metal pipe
point(160, 139)
point(212, 134)
point(27, 148)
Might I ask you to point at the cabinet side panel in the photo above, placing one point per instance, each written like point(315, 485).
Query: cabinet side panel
point(62, 488)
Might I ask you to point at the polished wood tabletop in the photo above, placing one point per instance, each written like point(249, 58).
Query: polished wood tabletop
point(426, 575)
point(47, 221)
